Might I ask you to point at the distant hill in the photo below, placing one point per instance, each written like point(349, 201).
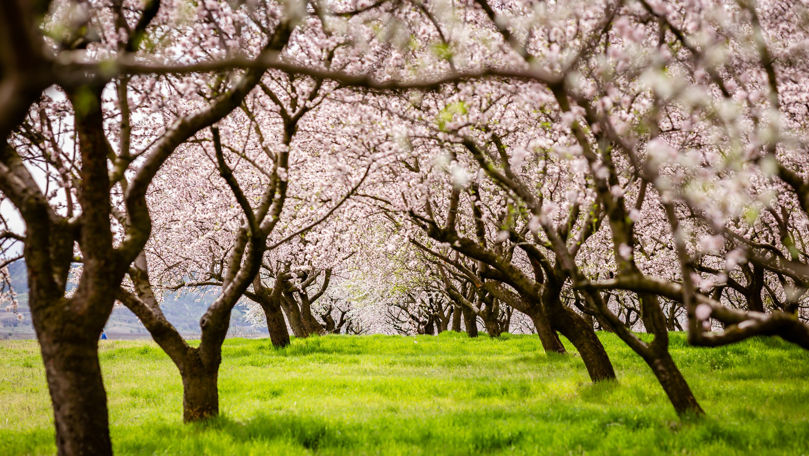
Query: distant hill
point(182, 309)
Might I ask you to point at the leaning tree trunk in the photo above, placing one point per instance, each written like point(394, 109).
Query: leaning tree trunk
point(270, 302)
point(584, 338)
point(673, 383)
point(293, 314)
point(309, 322)
point(547, 336)
point(580, 333)
point(77, 391)
point(590, 320)
point(470, 322)
point(659, 359)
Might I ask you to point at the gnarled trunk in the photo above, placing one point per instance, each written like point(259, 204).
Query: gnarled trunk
point(69, 346)
point(77, 393)
point(200, 393)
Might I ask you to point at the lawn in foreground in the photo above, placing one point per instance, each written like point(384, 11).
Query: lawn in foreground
point(428, 395)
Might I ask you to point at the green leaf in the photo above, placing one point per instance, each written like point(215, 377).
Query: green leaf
point(449, 112)
point(442, 50)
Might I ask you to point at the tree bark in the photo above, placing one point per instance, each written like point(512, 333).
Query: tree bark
point(429, 328)
point(674, 384)
point(470, 322)
point(659, 359)
point(548, 337)
point(294, 317)
point(491, 323)
point(77, 394)
point(312, 326)
point(69, 344)
point(582, 336)
point(270, 302)
point(580, 333)
point(456, 318)
point(754, 300)
point(200, 392)
point(279, 334)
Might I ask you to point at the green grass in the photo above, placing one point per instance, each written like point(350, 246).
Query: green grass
point(428, 395)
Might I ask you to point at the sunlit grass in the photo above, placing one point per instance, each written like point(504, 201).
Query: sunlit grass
point(428, 395)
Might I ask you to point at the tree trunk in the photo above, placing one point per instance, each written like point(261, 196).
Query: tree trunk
point(671, 318)
point(456, 318)
point(312, 326)
point(429, 328)
point(659, 359)
point(77, 394)
point(331, 326)
point(270, 302)
point(582, 336)
point(674, 384)
point(548, 337)
point(590, 320)
point(200, 392)
point(294, 316)
point(470, 321)
point(580, 333)
point(754, 300)
point(69, 346)
point(505, 322)
point(491, 323)
point(603, 324)
point(444, 320)
point(279, 334)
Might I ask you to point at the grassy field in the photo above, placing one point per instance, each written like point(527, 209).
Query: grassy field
point(428, 395)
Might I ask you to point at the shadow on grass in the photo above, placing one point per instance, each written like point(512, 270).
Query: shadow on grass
point(308, 432)
point(599, 392)
point(461, 433)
